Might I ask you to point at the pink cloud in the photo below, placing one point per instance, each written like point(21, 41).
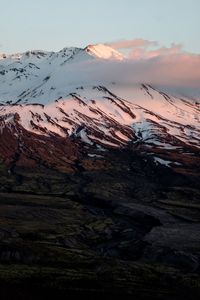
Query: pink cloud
point(143, 53)
point(169, 67)
point(145, 49)
point(175, 69)
point(130, 44)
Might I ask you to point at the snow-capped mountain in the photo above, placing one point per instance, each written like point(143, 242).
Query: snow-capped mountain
point(42, 77)
point(51, 95)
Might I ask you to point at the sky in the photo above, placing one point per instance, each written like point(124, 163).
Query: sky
point(53, 25)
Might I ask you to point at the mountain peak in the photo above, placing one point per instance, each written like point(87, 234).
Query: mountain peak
point(103, 51)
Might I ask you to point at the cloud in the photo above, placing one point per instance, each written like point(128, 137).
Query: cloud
point(141, 48)
point(144, 53)
point(174, 70)
point(131, 44)
point(169, 67)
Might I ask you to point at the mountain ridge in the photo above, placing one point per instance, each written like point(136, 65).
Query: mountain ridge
point(98, 50)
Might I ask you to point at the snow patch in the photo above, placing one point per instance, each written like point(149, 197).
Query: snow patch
point(162, 161)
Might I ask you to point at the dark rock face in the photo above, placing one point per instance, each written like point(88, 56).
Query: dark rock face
point(82, 222)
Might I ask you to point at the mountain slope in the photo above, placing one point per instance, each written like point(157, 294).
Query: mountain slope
point(41, 94)
point(99, 185)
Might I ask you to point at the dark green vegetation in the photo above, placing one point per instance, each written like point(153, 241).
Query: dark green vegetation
point(119, 226)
